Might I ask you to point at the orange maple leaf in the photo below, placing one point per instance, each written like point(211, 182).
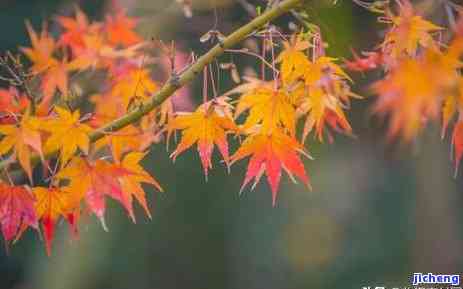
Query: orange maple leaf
point(413, 91)
point(124, 140)
point(120, 29)
point(131, 82)
point(41, 52)
point(409, 32)
point(270, 153)
point(94, 180)
point(75, 29)
point(130, 138)
point(327, 94)
point(98, 53)
point(55, 72)
point(107, 108)
point(55, 78)
point(90, 55)
point(22, 138)
point(51, 204)
point(207, 126)
point(131, 182)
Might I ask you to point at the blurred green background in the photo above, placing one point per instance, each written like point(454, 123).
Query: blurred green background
point(378, 212)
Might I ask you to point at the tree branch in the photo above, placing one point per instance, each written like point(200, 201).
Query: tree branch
point(188, 75)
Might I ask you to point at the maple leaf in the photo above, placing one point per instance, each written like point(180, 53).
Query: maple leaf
point(413, 91)
point(293, 59)
point(131, 82)
point(126, 139)
point(90, 55)
point(270, 153)
point(41, 52)
point(327, 93)
point(52, 204)
point(55, 72)
point(98, 53)
point(67, 134)
point(95, 54)
point(323, 109)
point(107, 108)
point(16, 210)
point(409, 31)
point(131, 182)
point(93, 181)
point(55, 78)
point(75, 28)
point(120, 29)
point(131, 137)
point(268, 107)
point(207, 126)
point(322, 69)
point(22, 138)
point(12, 102)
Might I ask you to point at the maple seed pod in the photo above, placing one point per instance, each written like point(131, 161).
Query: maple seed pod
point(212, 35)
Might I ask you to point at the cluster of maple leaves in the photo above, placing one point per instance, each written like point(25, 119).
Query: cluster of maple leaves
point(44, 122)
point(421, 81)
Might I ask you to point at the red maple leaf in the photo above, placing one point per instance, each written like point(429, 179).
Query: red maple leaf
point(270, 154)
point(16, 210)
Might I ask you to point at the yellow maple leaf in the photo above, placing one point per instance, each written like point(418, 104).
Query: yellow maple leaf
point(67, 134)
point(268, 107)
point(293, 59)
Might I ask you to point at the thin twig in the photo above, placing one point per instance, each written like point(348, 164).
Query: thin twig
point(245, 51)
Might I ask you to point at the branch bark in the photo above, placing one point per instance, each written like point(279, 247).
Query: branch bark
point(173, 84)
